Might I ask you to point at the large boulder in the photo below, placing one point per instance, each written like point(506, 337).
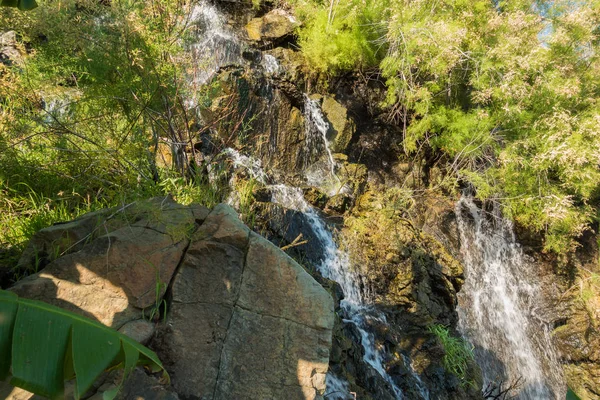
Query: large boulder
point(244, 320)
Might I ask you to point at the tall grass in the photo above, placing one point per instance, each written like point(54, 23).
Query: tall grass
point(458, 353)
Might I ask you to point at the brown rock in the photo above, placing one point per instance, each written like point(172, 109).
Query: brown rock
point(276, 24)
point(246, 322)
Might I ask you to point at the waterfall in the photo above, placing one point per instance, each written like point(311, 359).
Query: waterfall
point(214, 45)
point(335, 265)
point(497, 307)
point(316, 146)
point(270, 64)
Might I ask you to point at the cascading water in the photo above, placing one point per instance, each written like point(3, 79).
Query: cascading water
point(270, 64)
point(214, 45)
point(497, 307)
point(335, 265)
point(315, 146)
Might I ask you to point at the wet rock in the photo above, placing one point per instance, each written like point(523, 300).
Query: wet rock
point(262, 194)
point(288, 225)
point(353, 178)
point(339, 203)
point(342, 127)
point(292, 66)
point(315, 197)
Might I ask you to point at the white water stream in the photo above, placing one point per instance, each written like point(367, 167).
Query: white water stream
point(315, 147)
point(335, 266)
point(497, 307)
point(214, 46)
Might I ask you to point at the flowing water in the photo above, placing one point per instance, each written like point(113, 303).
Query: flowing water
point(270, 64)
point(215, 45)
point(317, 157)
point(497, 307)
point(335, 265)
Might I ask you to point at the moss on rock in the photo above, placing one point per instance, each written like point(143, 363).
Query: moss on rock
point(342, 127)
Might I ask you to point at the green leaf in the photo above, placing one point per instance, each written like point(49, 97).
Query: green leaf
point(23, 5)
point(102, 349)
point(8, 311)
point(571, 395)
point(10, 3)
point(46, 345)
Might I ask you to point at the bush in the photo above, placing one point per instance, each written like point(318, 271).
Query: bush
point(507, 92)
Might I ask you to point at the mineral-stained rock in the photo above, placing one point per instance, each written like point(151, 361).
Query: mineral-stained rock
point(342, 126)
point(274, 25)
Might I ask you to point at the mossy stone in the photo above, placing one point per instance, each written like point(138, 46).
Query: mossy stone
point(342, 127)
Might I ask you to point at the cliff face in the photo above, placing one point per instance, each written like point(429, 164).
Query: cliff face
point(395, 216)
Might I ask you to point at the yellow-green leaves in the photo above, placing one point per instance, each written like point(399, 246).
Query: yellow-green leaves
point(42, 346)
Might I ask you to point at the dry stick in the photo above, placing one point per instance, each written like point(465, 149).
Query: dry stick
point(296, 242)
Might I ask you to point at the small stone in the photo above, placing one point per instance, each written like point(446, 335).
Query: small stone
point(140, 330)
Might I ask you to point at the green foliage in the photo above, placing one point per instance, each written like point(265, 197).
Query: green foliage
point(507, 92)
point(342, 35)
point(42, 346)
point(458, 353)
point(245, 192)
point(81, 117)
point(200, 190)
point(571, 395)
point(159, 302)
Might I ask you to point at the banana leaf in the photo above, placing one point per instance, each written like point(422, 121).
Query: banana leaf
point(23, 5)
point(42, 346)
point(571, 395)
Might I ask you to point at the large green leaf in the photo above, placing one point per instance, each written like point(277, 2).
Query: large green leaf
point(42, 346)
point(23, 5)
point(571, 395)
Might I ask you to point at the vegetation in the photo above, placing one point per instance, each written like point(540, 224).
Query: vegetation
point(507, 92)
point(458, 353)
point(75, 348)
point(86, 117)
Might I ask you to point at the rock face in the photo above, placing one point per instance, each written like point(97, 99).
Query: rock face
point(268, 323)
point(244, 320)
